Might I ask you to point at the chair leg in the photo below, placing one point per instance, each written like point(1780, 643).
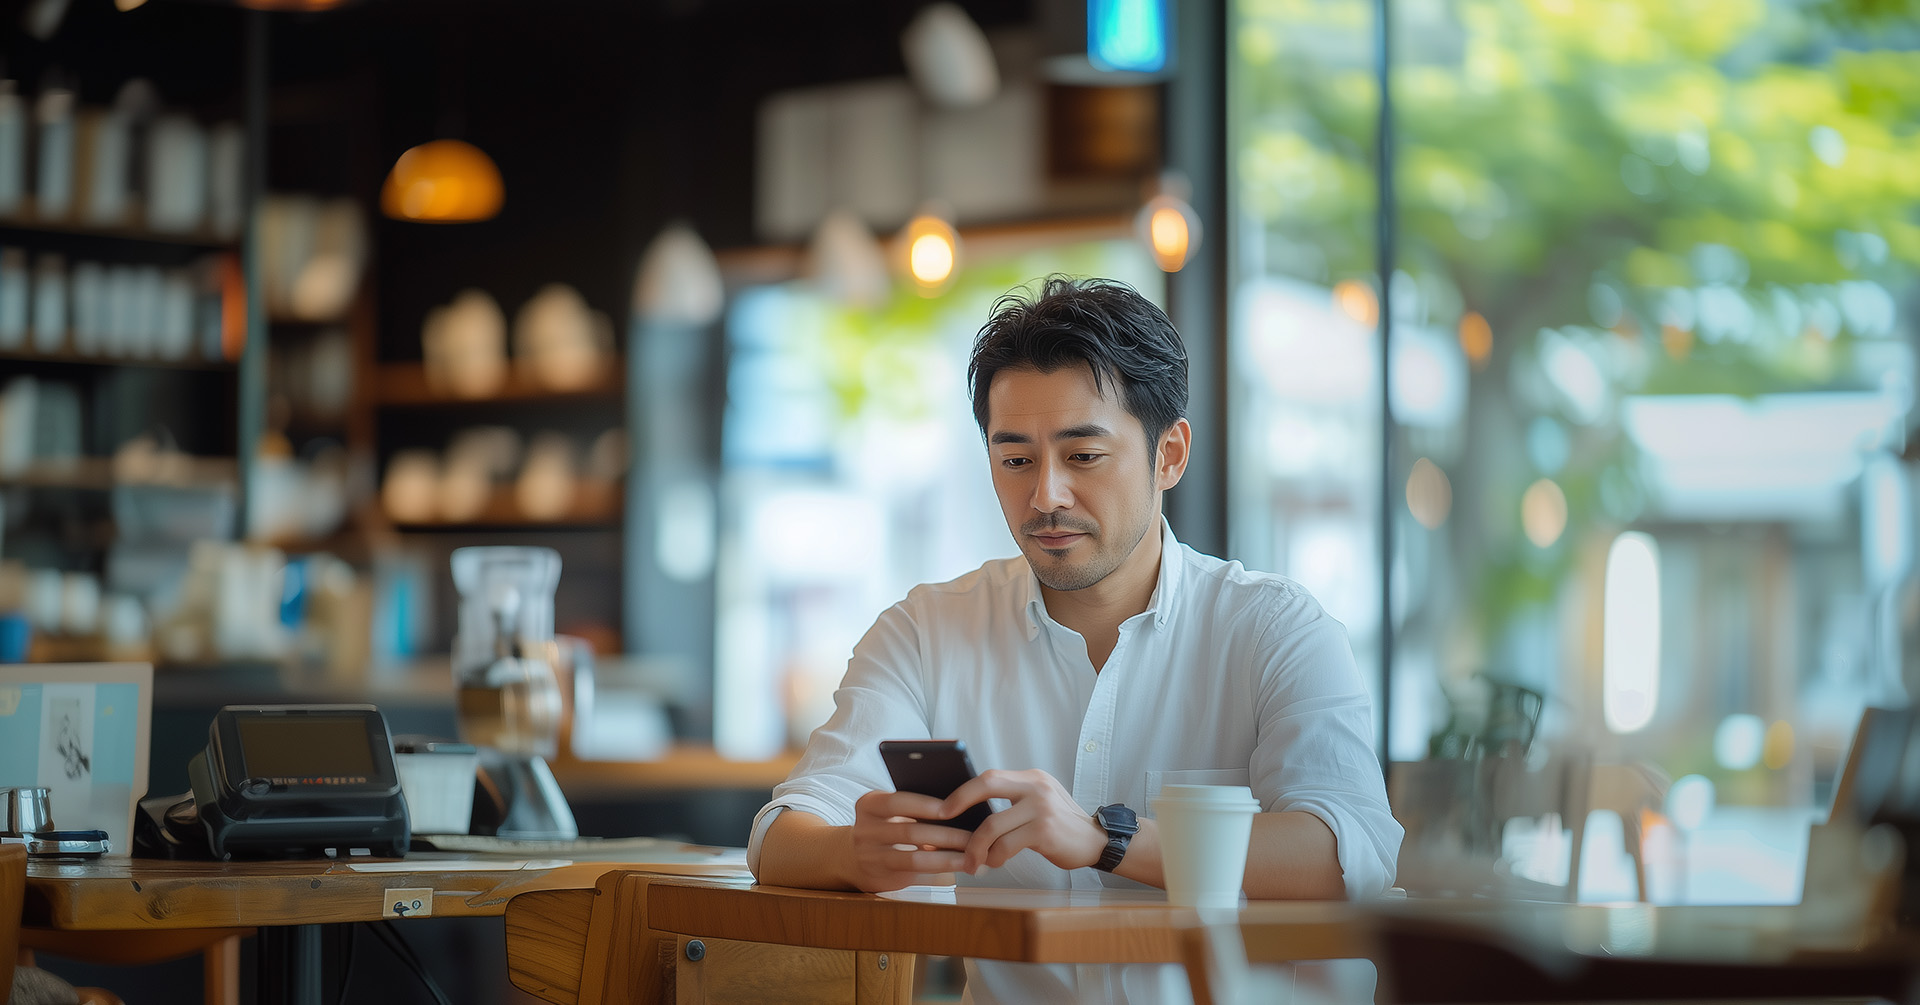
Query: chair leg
point(220, 972)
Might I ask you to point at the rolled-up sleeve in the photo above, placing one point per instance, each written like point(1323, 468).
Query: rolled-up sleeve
point(1315, 750)
point(882, 697)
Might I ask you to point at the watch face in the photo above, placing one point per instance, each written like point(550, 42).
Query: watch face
point(1117, 819)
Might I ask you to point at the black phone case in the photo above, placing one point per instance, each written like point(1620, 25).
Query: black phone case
point(934, 768)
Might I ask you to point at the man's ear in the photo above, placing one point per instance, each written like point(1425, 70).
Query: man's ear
point(1176, 446)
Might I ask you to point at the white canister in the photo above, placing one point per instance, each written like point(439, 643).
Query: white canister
point(49, 303)
point(13, 149)
point(89, 313)
point(436, 779)
point(53, 175)
point(176, 175)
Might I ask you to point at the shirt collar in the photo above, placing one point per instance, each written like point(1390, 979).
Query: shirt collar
point(1160, 605)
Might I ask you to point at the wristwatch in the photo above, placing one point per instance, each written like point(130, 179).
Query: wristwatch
point(1121, 825)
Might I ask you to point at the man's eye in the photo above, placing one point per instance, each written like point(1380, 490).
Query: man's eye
point(1084, 457)
point(1015, 462)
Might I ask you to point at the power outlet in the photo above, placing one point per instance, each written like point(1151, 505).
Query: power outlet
point(412, 902)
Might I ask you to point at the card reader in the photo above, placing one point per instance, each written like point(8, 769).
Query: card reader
point(279, 780)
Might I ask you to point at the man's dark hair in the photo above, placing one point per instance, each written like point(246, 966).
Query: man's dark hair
point(1104, 325)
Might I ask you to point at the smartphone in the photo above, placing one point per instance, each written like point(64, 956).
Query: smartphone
point(66, 843)
point(934, 768)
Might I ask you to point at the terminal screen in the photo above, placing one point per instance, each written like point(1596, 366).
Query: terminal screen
point(288, 746)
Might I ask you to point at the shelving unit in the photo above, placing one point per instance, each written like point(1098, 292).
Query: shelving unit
point(404, 411)
point(77, 503)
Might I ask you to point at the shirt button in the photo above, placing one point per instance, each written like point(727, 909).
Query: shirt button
point(1092, 746)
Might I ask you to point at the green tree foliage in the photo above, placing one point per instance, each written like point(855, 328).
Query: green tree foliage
point(1702, 195)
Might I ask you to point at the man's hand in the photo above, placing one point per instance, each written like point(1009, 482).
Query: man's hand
point(1043, 817)
point(892, 849)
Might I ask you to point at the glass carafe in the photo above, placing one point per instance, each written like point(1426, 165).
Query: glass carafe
point(503, 648)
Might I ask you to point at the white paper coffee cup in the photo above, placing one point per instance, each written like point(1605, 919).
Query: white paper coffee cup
point(1204, 831)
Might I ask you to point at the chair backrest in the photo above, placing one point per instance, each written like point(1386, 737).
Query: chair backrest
point(13, 892)
point(1857, 877)
point(1872, 762)
point(1454, 813)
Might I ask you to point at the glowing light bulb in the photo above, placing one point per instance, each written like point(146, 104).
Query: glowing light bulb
point(933, 253)
point(1476, 339)
point(932, 259)
point(1168, 225)
point(1169, 230)
point(1357, 301)
point(1543, 512)
point(1429, 494)
point(1777, 748)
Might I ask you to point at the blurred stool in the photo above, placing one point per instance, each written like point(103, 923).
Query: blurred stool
point(1456, 811)
point(219, 949)
point(13, 891)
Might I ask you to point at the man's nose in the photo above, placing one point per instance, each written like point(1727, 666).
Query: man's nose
point(1052, 490)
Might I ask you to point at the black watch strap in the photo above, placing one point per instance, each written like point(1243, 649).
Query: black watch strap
point(1121, 825)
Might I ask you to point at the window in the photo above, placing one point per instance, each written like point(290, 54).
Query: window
point(1650, 322)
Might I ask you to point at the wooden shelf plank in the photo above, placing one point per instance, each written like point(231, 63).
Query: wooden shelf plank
point(96, 474)
point(68, 357)
point(406, 384)
point(592, 510)
point(686, 766)
point(31, 224)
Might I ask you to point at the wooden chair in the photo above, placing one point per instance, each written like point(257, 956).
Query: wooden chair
point(13, 891)
point(1873, 761)
point(219, 949)
point(594, 946)
point(1438, 801)
point(1851, 886)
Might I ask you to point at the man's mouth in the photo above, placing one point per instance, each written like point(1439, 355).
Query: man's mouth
point(1057, 541)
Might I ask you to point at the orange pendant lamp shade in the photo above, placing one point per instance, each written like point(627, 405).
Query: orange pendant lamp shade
point(445, 181)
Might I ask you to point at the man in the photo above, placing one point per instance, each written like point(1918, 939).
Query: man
point(1107, 661)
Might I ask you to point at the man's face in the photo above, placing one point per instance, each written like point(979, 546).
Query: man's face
point(1071, 468)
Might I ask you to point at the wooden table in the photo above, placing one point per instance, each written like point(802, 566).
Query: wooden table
point(648, 938)
point(1022, 926)
point(289, 901)
point(672, 932)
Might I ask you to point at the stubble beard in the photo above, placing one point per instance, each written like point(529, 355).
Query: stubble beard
point(1067, 578)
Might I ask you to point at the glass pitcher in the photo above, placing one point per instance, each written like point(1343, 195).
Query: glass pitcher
point(503, 648)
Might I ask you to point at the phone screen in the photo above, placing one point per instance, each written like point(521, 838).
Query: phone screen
point(933, 768)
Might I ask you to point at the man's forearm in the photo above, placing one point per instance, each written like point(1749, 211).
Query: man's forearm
point(802, 850)
point(1292, 856)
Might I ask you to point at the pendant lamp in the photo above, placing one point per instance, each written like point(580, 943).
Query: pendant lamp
point(948, 57)
point(679, 280)
point(445, 181)
point(1168, 225)
point(846, 262)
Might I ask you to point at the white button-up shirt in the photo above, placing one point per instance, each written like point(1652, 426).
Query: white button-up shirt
point(1228, 677)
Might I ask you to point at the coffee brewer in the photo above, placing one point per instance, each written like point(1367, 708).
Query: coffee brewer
point(508, 693)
